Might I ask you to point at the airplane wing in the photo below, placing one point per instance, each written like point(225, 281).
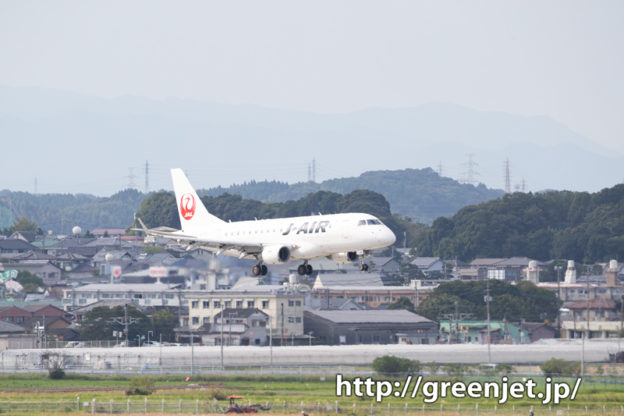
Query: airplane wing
point(240, 249)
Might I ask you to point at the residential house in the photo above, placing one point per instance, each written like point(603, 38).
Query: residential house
point(13, 246)
point(429, 265)
point(247, 326)
point(14, 336)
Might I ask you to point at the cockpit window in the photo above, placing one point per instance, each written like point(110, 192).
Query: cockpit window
point(362, 222)
point(373, 222)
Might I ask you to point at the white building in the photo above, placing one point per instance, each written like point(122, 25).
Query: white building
point(149, 294)
point(283, 305)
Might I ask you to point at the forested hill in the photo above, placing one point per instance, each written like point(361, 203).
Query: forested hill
point(420, 194)
point(60, 212)
point(561, 225)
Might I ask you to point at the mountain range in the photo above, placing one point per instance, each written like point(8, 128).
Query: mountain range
point(72, 143)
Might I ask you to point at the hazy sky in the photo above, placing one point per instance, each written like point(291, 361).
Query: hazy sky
point(563, 59)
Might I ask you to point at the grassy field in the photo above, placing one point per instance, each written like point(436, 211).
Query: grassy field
point(29, 394)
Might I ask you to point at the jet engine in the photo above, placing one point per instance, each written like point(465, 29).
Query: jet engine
point(343, 258)
point(275, 254)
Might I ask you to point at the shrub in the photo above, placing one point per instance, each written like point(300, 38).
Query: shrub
point(558, 367)
point(217, 394)
point(503, 368)
point(389, 364)
point(141, 386)
point(433, 367)
point(56, 372)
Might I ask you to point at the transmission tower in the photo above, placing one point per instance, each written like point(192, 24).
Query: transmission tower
point(507, 178)
point(470, 170)
point(312, 171)
point(131, 177)
point(440, 169)
point(146, 176)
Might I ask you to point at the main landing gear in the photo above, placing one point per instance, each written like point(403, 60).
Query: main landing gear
point(305, 268)
point(364, 267)
point(259, 269)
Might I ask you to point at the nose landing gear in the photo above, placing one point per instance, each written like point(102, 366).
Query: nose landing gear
point(364, 267)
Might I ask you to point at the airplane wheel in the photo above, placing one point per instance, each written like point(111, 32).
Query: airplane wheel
point(309, 269)
point(364, 267)
point(264, 270)
point(302, 269)
point(256, 270)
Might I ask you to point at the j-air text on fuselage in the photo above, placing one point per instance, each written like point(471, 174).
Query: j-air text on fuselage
point(342, 238)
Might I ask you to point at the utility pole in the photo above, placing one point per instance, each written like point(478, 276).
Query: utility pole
point(587, 323)
point(558, 269)
point(126, 323)
point(222, 313)
point(621, 324)
point(192, 355)
point(487, 303)
point(456, 322)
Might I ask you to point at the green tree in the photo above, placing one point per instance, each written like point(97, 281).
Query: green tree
point(434, 307)
point(558, 367)
point(164, 322)
point(511, 302)
point(390, 365)
point(31, 282)
point(100, 322)
point(159, 209)
point(402, 303)
point(23, 224)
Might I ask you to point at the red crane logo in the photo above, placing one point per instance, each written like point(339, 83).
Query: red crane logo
point(187, 206)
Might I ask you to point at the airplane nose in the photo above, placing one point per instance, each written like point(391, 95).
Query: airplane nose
point(388, 237)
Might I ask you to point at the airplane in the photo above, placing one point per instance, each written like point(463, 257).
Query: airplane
point(342, 238)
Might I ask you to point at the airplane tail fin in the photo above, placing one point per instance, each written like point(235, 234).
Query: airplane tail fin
point(194, 217)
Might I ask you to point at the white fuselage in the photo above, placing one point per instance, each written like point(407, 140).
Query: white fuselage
point(307, 237)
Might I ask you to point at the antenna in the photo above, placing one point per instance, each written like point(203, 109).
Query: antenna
point(35, 184)
point(440, 169)
point(507, 178)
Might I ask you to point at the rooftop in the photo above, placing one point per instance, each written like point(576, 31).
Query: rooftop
point(371, 316)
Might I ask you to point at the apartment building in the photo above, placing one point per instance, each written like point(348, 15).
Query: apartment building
point(283, 305)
